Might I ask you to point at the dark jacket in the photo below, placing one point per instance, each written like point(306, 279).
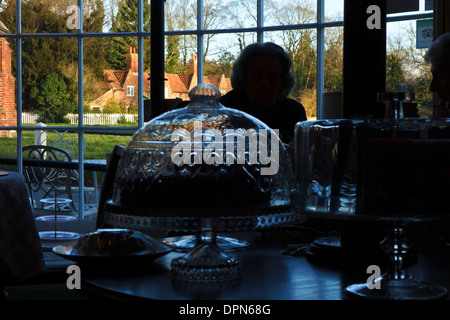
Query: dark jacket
point(284, 115)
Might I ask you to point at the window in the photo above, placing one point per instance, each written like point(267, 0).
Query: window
point(130, 91)
point(201, 37)
point(218, 31)
point(406, 46)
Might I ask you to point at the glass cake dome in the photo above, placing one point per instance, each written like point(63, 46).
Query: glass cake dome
point(202, 169)
point(203, 160)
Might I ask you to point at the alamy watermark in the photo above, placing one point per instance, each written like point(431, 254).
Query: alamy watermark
point(233, 146)
point(74, 20)
point(373, 282)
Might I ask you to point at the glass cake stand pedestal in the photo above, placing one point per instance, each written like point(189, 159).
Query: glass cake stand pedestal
point(186, 243)
point(207, 262)
point(395, 283)
point(57, 204)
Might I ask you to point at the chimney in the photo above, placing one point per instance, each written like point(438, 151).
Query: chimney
point(132, 60)
point(193, 68)
point(193, 65)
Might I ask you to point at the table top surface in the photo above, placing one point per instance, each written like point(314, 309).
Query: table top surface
point(268, 274)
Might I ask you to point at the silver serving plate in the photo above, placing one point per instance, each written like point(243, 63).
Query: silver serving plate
point(113, 246)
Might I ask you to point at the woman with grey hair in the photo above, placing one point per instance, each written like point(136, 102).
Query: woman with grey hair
point(438, 55)
point(261, 81)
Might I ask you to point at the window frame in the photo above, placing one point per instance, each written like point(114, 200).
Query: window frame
point(130, 91)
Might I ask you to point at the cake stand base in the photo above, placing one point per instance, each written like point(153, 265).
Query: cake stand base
point(206, 263)
point(188, 242)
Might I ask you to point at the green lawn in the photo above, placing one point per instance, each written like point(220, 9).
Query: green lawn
point(97, 145)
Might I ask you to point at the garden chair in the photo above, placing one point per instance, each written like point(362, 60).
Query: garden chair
point(47, 176)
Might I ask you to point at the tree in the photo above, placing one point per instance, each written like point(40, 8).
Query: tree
point(46, 55)
point(51, 100)
point(178, 16)
point(182, 15)
point(300, 45)
point(112, 106)
point(333, 59)
point(173, 55)
point(405, 64)
point(395, 57)
point(95, 47)
point(127, 21)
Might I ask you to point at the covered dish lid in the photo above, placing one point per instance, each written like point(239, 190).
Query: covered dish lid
point(203, 157)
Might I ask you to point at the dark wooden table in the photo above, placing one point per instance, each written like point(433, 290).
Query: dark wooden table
point(267, 275)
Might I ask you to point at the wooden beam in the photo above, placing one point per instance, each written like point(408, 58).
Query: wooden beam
point(364, 59)
point(157, 58)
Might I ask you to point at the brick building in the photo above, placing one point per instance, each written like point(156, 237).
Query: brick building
point(123, 85)
point(8, 113)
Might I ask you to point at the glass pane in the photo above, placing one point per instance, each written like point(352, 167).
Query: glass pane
point(117, 91)
point(334, 10)
point(181, 67)
point(97, 15)
point(301, 46)
point(8, 84)
point(178, 53)
point(229, 14)
point(110, 79)
point(333, 59)
point(147, 64)
point(180, 15)
point(8, 16)
point(45, 154)
point(279, 12)
point(98, 147)
point(94, 85)
point(239, 14)
point(147, 16)
point(50, 16)
point(125, 16)
point(223, 50)
point(50, 87)
point(8, 149)
point(99, 144)
point(405, 64)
